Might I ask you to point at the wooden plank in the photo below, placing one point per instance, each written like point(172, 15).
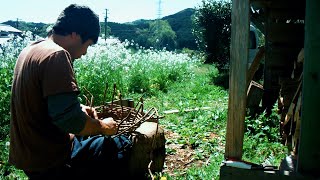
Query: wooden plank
point(173, 111)
point(237, 82)
point(297, 120)
point(255, 65)
point(288, 90)
point(309, 151)
point(254, 94)
point(293, 104)
point(232, 173)
point(300, 58)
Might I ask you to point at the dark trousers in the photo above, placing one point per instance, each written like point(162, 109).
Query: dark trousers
point(97, 157)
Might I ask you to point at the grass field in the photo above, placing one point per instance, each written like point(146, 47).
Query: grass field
point(167, 81)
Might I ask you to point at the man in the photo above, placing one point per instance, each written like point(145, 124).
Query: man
point(46, 111)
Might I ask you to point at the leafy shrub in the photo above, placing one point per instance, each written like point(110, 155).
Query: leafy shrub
point(265, 126)
point(220, 78)
point(262, 139)
point(5, 90)
point(212, 28)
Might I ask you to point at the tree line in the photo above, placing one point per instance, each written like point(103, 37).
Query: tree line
point(206, 28)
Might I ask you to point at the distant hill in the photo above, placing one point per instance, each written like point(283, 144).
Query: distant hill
point(180, 22)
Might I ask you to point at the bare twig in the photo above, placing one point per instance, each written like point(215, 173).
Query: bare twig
point(114, 92)
point(105, 94)
point(91, 97)
point(87, 100)
point(149, 169)
point(120, 96)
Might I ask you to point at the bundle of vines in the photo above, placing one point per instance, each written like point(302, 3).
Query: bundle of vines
point(128, 118)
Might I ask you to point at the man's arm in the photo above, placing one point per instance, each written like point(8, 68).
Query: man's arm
point(67, 114)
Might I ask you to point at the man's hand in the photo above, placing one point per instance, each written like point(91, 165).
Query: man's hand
point(110, 126)
point(106, 126)
point(90, 111)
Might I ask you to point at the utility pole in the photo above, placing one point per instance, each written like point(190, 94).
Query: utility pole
point(158, 24)
point(17, 23)
point(105, 25)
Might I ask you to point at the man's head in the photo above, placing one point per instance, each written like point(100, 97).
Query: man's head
point(79, 19)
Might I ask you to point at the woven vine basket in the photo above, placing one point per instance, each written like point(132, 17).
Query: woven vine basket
point(128, 118)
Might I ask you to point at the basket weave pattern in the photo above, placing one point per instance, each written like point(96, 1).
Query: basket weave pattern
point(128, 119)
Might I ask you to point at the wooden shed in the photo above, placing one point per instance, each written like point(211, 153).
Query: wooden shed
point(291, 76)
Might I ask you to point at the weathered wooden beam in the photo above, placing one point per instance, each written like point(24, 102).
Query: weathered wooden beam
point(270, 81)
point(238, 79)
point(255, 65)
point(309, 151)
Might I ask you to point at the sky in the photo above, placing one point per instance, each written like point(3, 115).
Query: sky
point(120, 11)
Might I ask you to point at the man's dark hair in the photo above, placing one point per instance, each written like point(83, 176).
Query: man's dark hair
point(79, 19)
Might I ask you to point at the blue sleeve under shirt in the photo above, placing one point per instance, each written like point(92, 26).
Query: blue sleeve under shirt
point(66, 113)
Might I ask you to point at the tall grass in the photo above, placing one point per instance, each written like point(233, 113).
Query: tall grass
point(132, 70)
point(8, 54)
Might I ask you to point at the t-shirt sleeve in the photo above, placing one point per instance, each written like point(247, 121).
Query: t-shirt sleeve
point(58, 75)
point(66, 113)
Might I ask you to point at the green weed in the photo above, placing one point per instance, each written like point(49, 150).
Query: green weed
point(262, 140)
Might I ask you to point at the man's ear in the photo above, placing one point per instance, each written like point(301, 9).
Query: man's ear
point(74, 35)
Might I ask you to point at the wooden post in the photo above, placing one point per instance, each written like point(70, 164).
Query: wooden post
point(238, 79)
point(309, 151)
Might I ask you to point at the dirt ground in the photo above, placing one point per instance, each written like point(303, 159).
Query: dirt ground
point(182, 158)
